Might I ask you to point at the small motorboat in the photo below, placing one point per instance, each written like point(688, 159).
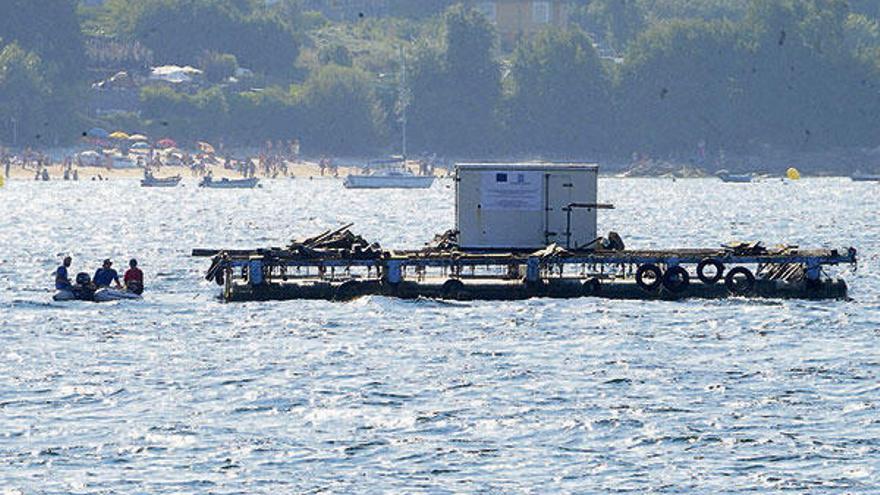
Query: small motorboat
point(726, 176)
point(225, 183)
point(860, 177)
point(84, 290)
point(392, 174)
point(100, 295)
point(150, 181)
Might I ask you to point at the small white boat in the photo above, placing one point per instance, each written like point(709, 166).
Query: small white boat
point(150, 181)
point(394, 177)
point(100, 295)
point(229, 184)
point(726, 176)
point(860, 177)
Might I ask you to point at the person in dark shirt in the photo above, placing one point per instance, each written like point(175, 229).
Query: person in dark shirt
point(62, 279)
point(105, 275)
point(134, 278)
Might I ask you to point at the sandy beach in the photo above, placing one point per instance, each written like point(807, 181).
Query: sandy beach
point(302, 168)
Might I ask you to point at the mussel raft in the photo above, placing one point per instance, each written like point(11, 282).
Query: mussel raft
point(339, 265)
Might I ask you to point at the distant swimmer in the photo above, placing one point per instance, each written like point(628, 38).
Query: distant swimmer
point(134, 278)
point(105, 275)
point(62, 279)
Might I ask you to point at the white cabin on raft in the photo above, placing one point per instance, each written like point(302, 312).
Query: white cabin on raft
point(524, 206)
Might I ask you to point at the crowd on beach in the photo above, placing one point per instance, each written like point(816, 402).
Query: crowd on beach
point(27, 160)
point(271, 160)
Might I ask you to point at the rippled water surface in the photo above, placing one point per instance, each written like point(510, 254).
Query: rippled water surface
point(183, 394)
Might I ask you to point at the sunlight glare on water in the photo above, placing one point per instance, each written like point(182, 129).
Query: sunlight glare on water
point(181, 393)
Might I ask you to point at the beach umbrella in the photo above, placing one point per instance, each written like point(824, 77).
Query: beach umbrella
point(119, 135)
point(205, 147)
point(140, 145)
point(137, 137)
point(97, 132)
point(166, 143)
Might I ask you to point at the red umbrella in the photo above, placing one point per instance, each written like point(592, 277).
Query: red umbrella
point(166, 143)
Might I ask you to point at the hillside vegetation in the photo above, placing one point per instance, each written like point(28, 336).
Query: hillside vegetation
point(800, 75)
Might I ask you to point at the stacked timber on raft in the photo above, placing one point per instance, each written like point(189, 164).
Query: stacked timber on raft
point(339, 265)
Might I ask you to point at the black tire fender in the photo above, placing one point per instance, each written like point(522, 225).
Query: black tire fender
point(644, 270)
point(701, 271)
point(733, 287)
point(452, 288)
point(676, 279)
point(591, 287)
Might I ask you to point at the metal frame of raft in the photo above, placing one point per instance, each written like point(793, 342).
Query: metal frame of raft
point(284, 274)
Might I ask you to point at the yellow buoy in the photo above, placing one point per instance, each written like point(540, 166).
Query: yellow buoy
point(793, 173)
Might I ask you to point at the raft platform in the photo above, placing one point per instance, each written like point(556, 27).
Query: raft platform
point(340, 266)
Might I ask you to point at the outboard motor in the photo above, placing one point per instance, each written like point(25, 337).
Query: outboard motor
point(83, 289)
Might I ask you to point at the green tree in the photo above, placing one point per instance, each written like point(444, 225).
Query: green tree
point(335, 53)
point(862, 38)
point(870, 8)
point(49, 28)
point(25, 97)
point(456, 89)
point(48, 46)
point(619, 21)
point(265, 43)
point(260, 115)
point(168, 112)
point(803, 85)
point(180, 31)
point(341, 109)
point(218, 67)
point(680, 87)
point(561, 95)
point(204, 115)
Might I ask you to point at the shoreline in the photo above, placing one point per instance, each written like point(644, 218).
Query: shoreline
point(304, 169)
point(312, 171)
point(762, 164)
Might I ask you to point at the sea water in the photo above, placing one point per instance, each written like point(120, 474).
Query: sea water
point(181, 393)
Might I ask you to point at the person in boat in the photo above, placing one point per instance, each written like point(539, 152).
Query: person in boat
point(134, 278)
point(62, 278)
point(105, 275)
